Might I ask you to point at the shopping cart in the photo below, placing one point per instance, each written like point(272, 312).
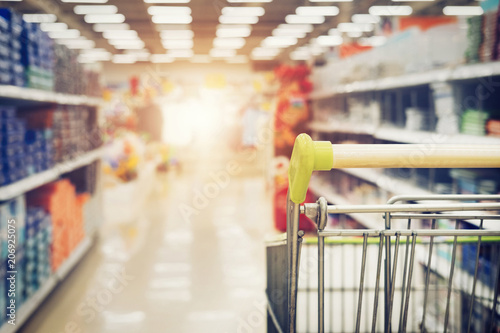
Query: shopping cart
point(423, 270)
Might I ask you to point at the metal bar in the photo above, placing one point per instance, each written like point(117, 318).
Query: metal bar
point(495, 297)
point(415, 156)
point(419, 232)
point(292, 248)
point(407, 252)
point(321, 284)
point(404, 216)
point(393, 282)
point(361, 284)
point(377, 283)
point(273, 315)
point(387, 273)
point(443, 197)
point(427, 278)
point(450, 280)
point(408, 288)
point(476, 269)
point(349, 209)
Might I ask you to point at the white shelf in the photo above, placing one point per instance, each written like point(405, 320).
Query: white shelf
point(25, 311)
point(39, 179)
point(406, 136)
point(368, 220)
point(342, 126)
point(36, 95)
point(464, 72)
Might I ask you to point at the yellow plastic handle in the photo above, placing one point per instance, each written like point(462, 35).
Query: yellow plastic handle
point(307, 156)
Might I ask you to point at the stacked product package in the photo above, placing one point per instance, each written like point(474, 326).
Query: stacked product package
point(38, 57)
point(24, 150)
point(65, 207)
point(11, 67)
point(474, 122)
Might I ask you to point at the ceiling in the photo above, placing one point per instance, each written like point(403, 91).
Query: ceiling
point(205, 18)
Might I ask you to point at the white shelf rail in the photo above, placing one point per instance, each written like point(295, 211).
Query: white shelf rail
point(42, 96)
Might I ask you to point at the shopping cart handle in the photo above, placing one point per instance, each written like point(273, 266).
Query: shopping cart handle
point(309, 156)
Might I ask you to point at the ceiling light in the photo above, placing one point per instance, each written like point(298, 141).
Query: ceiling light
point(124, 59)
point(100, 27)
point(77, 43)
point(169, 10)
point(297, 27)
point(463, 10)
point(84, 1)
point(40, 18)
point(365, 18)
point(354, 27)
point(176, 34)
point(167, 1)
point(296, 19)
point(222, 53)
point(95, 56)
point(84, 9)
point(172, 19)
point(177, 43)
point(247, 1)
point(289, 33)
point(373, 41)
point(300, 55)
point(161, 58)
point(236, 42)
point(334, 32)
point(104, 18)
point(233, 31)
point(238, 19)
point(58, 26)
point(126, 42)
point(243, 11)
point(128, 46)
point(71, 33)
point(201, 59)
point(330, 0)
point(259, 57)
point(139, 54)
point(317, 10)
point(238, 59)
point(187, 53)
point(279, 41)
point(354, 34)
point(120, 34)
point(390, 10)
point(329, 40)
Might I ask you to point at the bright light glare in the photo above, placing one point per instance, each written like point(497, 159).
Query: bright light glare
point(289, 33)
point(329, 40)
point(172, 19)
point(317, 10)
point(247, 1)
point(169, 10)
point(84, 1)
point(167, 1)
point(243, 11)
point(58, 26)
point(266, 52)
point(330, 0)
point(236, 42)
point(120, 34)
point(104, 18)
point(176, 34)
point(297, 27)
point(40, 18)
point(365, 18)
point(390, 10)
point(238, 19)
point(100, 27)
point(463, 11)
point(279, 41)
point(71, 33)
point(84, 9)
point(77, 43)
point(124, 59)
point(233, 31)
point(296, 19)
point(354, 27)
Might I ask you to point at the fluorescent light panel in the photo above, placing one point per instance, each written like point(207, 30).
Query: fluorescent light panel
point(120, 34)
point(329, 40)
point(187, 53)
point(330, 0)
point(365, 18)
point(84, 1)
point(297, 27)
point(126, 42)
point(40, 18)
point(177, 43)
point(279, 41)
point(172, 19)
point(243, 11)
point(176, 34)
point(101, 27)
point(355, 27)
point(57, 26)
point(289, 33)
point(169, 10)
point(222, 53)
point(238, 19)
point(233, 31)
point(463, 11)
point(93, 9)
point(232, 43)
point(167, 1)
point(317, 10)
point(296, 19)
point(390, 10)
point(124, 59)
point(161, 58)
point(247, 1)
point(104, 18)
point(71, 33)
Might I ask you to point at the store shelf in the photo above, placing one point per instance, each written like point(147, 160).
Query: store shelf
point(343, 127)
point(41, 96)
point(406, 136)
point(39, 179)
point(368, 220)
point(25, 311)
point(464, 72)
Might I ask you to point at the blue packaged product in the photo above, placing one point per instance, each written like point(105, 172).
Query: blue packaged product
point(8, 152)
point(5, 77)
point(15, 44)
point(17, 68)
point(4, 51)
point(4, 24)
point(7, 112)
point(8, 125)
point(8, 164)
point(14, 20)
point(15, 56)
point(5, 65)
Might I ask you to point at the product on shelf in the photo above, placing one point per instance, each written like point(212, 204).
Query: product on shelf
point(481, 181)
point(65, 207)
point(447, 119)
point(493, 127)
point(11, 68)
point(417, 119)
point(474, 122)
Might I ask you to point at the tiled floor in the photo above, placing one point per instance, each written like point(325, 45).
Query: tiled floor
point(188, 263)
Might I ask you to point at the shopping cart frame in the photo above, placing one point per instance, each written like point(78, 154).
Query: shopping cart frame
point(309, 156)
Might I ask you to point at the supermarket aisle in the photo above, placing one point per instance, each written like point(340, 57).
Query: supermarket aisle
point(199, 268)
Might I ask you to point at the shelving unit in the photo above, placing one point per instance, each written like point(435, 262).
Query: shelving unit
point(11, 95)
point(24, 312)
point(464, 72)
